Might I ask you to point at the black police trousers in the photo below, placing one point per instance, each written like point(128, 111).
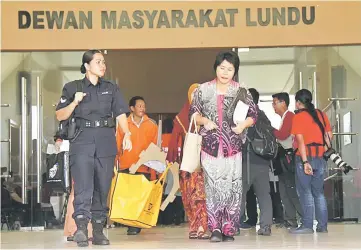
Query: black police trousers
point(92, 157)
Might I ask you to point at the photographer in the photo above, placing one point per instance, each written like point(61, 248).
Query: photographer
point(312, 131)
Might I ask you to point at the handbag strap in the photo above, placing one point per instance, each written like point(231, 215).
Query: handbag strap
point(193, 121)
point(180, 123)
point(164, 174)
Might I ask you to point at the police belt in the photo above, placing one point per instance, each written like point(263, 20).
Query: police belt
point(102, 123)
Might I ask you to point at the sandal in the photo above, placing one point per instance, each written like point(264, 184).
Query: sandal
point(203, 236)
point(193, 235)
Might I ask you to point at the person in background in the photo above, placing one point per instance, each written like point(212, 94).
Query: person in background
point(222, 143)
point(191, 184)
point(287, 182)
point(312, 130)
point(256, 169)
point(143, 131)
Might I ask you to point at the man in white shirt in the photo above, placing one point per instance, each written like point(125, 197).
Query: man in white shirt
point(285, 161)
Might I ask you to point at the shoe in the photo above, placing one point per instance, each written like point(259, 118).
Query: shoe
point(133, 231)
point(81, 234)
point(226, 238)
point(321, 230)
point(193, 235)
point(70, 238)
point(247, 225)
point(216, 236)
point(203, 236)
point(301, 230)
point(98, 236)
point(265, 231)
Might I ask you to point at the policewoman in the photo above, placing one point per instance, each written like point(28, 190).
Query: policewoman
point(95, 106)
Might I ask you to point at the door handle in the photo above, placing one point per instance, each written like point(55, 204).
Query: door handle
point(24, 140)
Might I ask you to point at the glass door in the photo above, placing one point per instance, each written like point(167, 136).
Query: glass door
point(31, 85)
point(17, 151)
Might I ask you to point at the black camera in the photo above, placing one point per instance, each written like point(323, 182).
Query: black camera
point(331, 154)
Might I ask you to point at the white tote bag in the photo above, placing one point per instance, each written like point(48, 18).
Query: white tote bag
point(192, 149)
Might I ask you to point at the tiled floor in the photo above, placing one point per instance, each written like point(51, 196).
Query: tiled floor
point(340, 236)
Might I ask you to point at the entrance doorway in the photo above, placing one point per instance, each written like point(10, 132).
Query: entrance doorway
point(31, 86)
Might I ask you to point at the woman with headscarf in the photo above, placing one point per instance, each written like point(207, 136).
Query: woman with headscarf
point(191, 184)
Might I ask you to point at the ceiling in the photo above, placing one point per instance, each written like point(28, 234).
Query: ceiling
point(268, 70)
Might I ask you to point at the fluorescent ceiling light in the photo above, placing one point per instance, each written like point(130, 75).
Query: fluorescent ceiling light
point(240, 50)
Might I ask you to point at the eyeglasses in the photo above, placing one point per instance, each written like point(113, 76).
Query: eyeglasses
point(275, 103)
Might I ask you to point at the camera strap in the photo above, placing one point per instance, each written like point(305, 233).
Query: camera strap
point(328, 136)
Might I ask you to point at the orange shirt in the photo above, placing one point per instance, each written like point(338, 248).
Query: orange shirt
point(142, 136)
point(304, 124)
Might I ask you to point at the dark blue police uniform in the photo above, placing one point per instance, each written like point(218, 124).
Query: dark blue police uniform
point(92, 152)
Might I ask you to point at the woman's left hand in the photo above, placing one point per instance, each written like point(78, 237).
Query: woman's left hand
point(239, 128)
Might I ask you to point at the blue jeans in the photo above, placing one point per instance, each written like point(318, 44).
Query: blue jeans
point(311, 193)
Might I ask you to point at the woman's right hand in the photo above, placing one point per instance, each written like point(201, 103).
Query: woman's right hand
point(79, 97)
point(209, 125)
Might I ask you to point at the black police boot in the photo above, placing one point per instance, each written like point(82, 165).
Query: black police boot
point(98, 236)
point(81, 234)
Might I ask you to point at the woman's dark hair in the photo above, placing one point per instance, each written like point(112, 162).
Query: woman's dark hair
point(87, 57)
point(305, 97)
point(254, 94)
point(230, 57)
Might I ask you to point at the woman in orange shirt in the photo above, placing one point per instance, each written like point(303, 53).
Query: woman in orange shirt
point(312, 132)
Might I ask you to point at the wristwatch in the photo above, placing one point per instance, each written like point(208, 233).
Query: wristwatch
point(304, 162)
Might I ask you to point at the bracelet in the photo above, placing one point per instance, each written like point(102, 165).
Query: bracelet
point(304, 162)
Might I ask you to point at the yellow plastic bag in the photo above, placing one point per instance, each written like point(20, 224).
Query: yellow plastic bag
point(135, 201)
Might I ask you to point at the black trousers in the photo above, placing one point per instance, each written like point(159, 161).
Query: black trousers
point(289, 197)
point(251, 207)
point(91, 161)
point(174, 213)
point(92, 178)
point(276, 202)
